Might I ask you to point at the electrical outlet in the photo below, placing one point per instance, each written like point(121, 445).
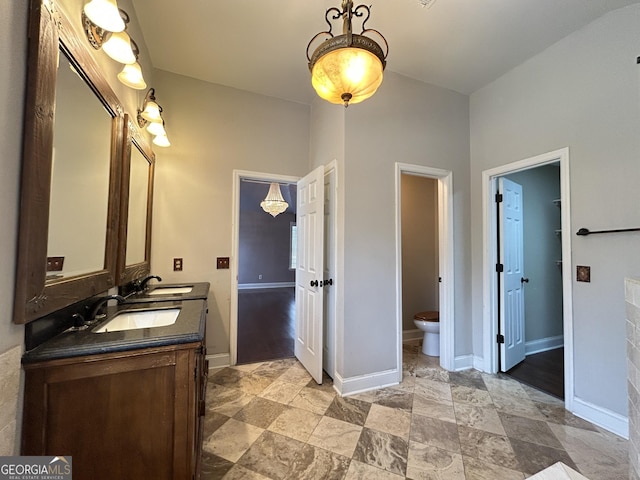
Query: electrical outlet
point(177, 264)
point(222, 262)
point(55, 264)
point(260, 277)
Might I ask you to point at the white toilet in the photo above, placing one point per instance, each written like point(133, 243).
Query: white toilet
point(429, 323)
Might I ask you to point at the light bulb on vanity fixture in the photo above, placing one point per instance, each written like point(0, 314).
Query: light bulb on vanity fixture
point(150, 116)
point(104, 14)
point(131, 76)
point(120, 47)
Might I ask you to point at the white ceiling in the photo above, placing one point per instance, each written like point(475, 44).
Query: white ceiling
point(260, 45)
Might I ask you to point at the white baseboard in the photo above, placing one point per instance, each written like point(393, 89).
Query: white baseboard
point(364, 383)
point(411, 336)
point(543, 344)
point(462, 362)
point(218, 360)
point(260, 286)
point(614, 422)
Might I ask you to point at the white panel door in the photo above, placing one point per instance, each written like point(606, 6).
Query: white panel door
point(512, 351)
point(309, 272)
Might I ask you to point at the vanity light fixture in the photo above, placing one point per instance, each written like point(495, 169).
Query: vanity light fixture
point(113, 39)
point(150, 116)
point(274, 204)
point(347, 68)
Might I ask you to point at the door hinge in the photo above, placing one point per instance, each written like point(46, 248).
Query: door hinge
point(498, 197)
point(499, 267)
point(500, 338)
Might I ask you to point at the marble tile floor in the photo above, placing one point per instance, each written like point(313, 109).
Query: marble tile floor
point(272, 421)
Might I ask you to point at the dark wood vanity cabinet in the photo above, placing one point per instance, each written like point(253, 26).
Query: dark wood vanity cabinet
point(135, 414)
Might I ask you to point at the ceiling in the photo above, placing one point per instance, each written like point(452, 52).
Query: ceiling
point(260, 45)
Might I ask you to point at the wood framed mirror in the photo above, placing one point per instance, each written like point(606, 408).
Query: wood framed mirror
point(71, 171)
point(134, 239)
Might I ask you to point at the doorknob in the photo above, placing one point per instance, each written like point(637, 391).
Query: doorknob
point(524, 280)
point(314, 283)
point(327, 282)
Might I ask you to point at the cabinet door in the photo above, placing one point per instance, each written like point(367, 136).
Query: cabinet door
point(117, 418)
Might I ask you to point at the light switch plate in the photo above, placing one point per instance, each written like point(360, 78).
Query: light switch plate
point(583, 273)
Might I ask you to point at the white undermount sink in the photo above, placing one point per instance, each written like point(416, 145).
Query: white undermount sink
point(170, 290)
point(131, 320)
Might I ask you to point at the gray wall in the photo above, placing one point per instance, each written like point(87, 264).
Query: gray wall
point(214, 130)
point(419, 202)
point(581, 93)
point(542, 248)
point(13, 46)
point(264, 248)
point(411, 122)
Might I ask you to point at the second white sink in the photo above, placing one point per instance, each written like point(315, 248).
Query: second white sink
point(131, 320)
point(170, 290)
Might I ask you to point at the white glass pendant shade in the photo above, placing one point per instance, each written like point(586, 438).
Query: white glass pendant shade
point(131, 76)
point(105, 14)
point(347, 75)
point(274, 204)
point(156, 128)
point(161, 141)
point(151, 112)
point(118, 47)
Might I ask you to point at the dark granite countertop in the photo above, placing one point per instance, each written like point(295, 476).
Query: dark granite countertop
point(189, 327)
point(200, 291)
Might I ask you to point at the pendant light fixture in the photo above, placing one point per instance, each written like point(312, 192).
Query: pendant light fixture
point(274, 204)
point(347, 68)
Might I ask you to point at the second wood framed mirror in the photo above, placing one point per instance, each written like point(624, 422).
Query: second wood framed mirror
point(134, 251)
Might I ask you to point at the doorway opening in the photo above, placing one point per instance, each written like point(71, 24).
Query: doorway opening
point(527, 277)
point(262, 320)
point(420, 274)
point(441, 287)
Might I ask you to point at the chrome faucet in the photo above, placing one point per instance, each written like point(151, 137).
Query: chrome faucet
point(142, 284)
point(96, 307)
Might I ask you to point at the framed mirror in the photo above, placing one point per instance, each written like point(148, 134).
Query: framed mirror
point(134, 252)
point(71, 171)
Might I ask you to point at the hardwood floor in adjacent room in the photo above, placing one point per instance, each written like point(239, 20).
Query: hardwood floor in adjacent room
point(265, 324)
point(544, 371)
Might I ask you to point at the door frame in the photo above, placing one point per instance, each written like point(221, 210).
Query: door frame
point(238, 175)
point(331, 313)
point(490, 259)
point(445, 259)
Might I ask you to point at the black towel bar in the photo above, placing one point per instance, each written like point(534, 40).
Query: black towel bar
point(586, 231)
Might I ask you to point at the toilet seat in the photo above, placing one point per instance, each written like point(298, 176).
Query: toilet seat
point(427, 316)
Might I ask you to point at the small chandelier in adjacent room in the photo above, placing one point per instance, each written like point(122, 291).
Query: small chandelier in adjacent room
point(347, 68)
point(274, 204)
